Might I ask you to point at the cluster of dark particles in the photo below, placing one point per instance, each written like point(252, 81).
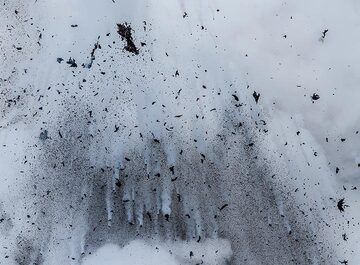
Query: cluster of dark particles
point(137, 146)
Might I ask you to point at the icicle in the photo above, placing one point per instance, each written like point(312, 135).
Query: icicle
point(109, 204)
point(140, 215)
point(115, 176)
point(198, 224)
point(128, 199)
point(166, 203)
point(280, 207)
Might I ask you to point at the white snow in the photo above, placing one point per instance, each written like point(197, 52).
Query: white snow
point(137, 252)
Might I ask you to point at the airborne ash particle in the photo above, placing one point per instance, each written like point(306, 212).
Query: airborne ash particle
point(223, 207)
point(92, 56)
point(324, 33)
point(256, 96)
point(315, 97)
point(125, 31)
point(345, 237)
point(341, 205)
point(44, 135)
point(72, 62)
point(118, 183)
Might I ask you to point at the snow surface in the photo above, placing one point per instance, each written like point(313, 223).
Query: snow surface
point(140, 252)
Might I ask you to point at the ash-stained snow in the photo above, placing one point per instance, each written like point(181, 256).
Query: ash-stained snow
point(179, 132)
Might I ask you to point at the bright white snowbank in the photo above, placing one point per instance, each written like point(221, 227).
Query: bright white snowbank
point(211, 252)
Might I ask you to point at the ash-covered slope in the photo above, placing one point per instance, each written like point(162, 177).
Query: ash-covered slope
point(137, 121)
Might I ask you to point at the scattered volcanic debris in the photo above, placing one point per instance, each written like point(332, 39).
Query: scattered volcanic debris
point(92, 56)
point(61, 147)
point(44, 135)
point(71, 62)
point(323, 35)
point(256, 96)
point(235, 97)
point(118, 183)
point(315, 97)
point(124, 30)
point(345, 237)
point(223, 207)
point(341, 205)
